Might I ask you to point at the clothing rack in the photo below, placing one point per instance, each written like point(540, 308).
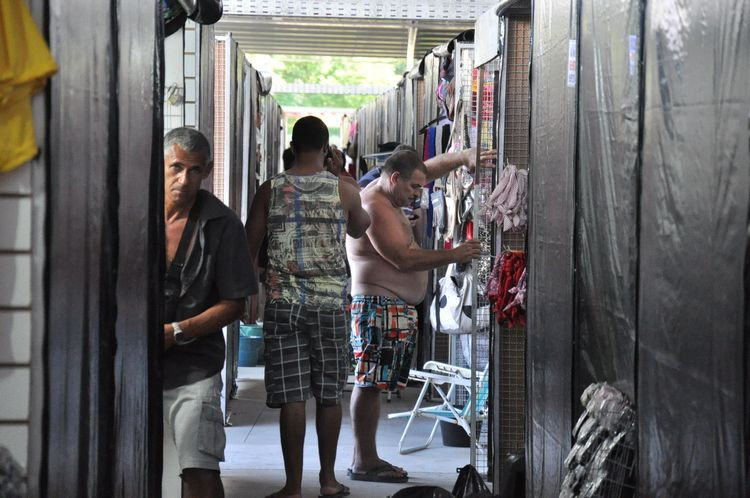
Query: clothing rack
point(431, 122)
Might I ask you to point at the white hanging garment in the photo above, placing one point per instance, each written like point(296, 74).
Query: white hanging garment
point(507, 205)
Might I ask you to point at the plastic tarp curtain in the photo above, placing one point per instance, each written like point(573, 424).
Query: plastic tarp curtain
point(606, 252)
point(654, 252)
point(551, 220)
point(102, 389)
point(694, 215)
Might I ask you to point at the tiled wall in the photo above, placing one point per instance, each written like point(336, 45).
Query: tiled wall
point(15, 310)
point(181, 69)
point(173, 79)
point(191, 66)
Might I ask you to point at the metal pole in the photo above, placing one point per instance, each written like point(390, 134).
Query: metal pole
point(474, 274)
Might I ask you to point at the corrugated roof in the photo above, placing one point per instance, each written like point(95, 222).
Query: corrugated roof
point(436, 10)
point(337, 36)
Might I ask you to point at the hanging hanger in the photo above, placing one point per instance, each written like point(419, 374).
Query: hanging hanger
point(429, 123)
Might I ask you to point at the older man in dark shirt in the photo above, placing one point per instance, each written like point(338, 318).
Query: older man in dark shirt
point(209, 274)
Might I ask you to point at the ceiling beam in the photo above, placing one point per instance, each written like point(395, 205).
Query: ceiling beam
point(450, 10)
point(411, 45)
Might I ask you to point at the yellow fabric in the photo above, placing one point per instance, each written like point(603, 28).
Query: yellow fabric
point(25, 65)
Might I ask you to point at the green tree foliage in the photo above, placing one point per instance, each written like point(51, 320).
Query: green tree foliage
point(322, 100)
point(325, 70)
point(338, 70)
point(332, 71)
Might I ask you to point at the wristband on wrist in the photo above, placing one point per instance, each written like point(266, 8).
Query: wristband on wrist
point(179, 335)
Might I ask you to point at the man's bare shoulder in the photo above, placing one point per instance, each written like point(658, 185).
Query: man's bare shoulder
point(374, 199)
point(381, 211)
point(348, 180)
point(266, 186)
point(261, 199)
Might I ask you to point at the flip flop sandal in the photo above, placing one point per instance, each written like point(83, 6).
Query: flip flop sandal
point(344, 491)
point(374, 474)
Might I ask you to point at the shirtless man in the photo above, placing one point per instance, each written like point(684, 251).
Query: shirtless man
point(389, 277)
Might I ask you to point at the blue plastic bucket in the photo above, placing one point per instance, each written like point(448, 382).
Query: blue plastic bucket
point(249, 349)
point(251, 330)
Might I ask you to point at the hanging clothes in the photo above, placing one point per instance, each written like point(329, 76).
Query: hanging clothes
point(520, 293)
point(445, 138)
point(453, 196)
point(426, 148)
point(25, 65)
point(507, 205)
point(506, 289)
point(438, 139)
point(432, 132)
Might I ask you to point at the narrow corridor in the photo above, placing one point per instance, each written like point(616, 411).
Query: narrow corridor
point(254, 464)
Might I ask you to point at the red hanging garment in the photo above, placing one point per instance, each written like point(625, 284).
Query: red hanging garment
point(507, 278)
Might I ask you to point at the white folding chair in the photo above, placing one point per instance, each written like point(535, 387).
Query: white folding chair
point(435, 374)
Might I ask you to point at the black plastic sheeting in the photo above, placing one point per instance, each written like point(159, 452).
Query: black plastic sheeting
point(552, 213)
point(137, 396)
point(694, 214)
point(643, 217)
point(607, 193)
point(102, 413)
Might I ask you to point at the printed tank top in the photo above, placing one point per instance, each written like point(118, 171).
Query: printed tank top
point(306, 229)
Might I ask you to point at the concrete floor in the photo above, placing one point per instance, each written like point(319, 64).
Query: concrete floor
point(254, 465)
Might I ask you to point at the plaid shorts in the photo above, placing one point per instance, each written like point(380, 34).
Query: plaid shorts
point(383, 339)
point(306, 353)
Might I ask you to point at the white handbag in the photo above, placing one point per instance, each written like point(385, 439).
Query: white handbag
point(446, 302)
point(453, 304)
point(463, 318)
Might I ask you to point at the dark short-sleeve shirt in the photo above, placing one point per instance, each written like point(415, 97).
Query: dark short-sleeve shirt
point(218, 267)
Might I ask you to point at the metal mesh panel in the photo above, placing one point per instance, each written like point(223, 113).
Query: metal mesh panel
point(464, 63)
point(220, 130)
point(464, 86)
point(512, 391)
point(484, 84)
point(515, 137)
point(516, 132)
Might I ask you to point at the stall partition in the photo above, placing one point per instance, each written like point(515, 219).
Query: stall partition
point(639, 219)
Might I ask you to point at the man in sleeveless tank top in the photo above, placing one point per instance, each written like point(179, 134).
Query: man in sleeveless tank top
point(306, 212)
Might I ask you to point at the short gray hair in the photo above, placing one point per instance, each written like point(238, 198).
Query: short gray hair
point(405, 161)
point(189, 140)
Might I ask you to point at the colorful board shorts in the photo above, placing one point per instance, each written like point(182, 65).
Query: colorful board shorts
point(383, 340)
point(306, 353)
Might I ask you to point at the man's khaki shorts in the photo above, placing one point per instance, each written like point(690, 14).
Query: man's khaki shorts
point(194, 421)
